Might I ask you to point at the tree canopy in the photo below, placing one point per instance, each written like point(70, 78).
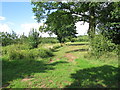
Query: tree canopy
point(95, 13)
point(62, 24)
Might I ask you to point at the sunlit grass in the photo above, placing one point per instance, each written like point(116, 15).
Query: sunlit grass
point(61, 72)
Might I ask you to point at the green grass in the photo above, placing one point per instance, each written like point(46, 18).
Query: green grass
point(61, 73)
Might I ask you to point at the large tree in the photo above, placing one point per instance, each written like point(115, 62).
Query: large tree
point(91, 12)
point(62, 24)
point(111, 27)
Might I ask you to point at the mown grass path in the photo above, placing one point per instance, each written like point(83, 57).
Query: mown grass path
point(67, 69)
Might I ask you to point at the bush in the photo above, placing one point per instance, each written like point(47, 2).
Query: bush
point(44, 53)
point(7, 49)
point(20, 54)
point(22, 51)
point(29, 54)
point(56, 46)
point(15, 54)
point(4, 50)
point(23, 46)
point(101, 45)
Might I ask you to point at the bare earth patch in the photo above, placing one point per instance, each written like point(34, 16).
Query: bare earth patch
point(70, 57)
point(43, 86)
point(26, 79)
point(51, 60)
point(51, 81)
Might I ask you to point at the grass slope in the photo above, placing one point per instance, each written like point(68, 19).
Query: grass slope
point(67, 69)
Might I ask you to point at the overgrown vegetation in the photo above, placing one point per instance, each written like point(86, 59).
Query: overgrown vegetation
point(101, 45)
point(88, 61)
point(18, 52)
point(67, 69)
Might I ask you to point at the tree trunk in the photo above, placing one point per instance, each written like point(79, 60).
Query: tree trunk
point(92, 24)
point(91, 30)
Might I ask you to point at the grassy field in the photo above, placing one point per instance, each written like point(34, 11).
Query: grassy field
point(68, 68)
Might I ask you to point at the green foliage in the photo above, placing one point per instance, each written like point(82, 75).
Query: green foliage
point(33, 38)
point(6, 38)
point(29, 54)
point(112, 32)
point(44, 53)
point(23, 39)
point(16, 51)
point(11, 38)
point(91, 12)
point(61, 73)
point(62, 24)
point(110, 27)
point(56, 47)
point(19, 52)
point(8, 48)
point(49, 40)
point(101, 45)
point(82, 38)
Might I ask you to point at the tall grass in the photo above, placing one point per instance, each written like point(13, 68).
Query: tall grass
point(19, 52)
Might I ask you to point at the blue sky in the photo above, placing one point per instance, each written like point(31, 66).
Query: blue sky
point(15, 11)
point(18, 16)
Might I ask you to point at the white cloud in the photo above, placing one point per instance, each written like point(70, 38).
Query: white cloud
point(33, 17)
point(28, 26)
point(47, 35)
point(10, 23)
point(4, 28)
point(2, 18)
point(82, 28)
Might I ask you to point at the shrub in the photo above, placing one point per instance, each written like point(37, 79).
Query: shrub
point(101, 45)
point(15, 54)
point(23, 46)
point(44, 53)
point(23, 54)
point(7, 49)
point(22, 51)
point(4, 50)
point(56, 46)
point(29, 54)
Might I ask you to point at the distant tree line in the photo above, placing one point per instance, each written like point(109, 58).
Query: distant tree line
point(33, 39)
